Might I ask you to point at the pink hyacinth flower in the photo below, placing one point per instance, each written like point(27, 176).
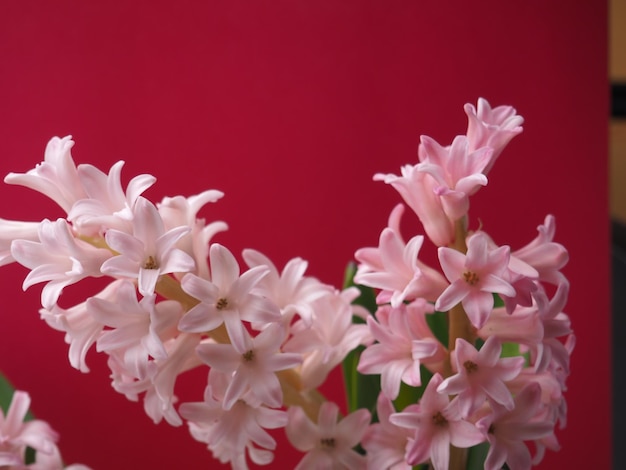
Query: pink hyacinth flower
point(16, 434)
point(506, 430)
point(385, 442)
point(491, 127)
point(474, 277)
point(543, 254)
point(291, 290)
point(106, 205)
point(398, 351)
point(138, 328)
point(329, 443)
point(233, 433)
point(56, 177)
point(15, 230)
point(251, 369)
point(227, 299)
point(481, 375)
point(178, 211)
point(149, 252)
point(457, 170)
point(59, 258)
point(326, 341)
point(436, 423)
point(403, 276)
point(418, 189)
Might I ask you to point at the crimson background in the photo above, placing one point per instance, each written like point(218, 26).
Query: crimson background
point(290, 107)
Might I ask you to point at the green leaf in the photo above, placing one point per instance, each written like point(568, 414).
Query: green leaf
point(438, 324)
point(6, 393)
point(410, 395)
point(367, 298)
point(497, 301)
point(362, 390)
point(476, 456)
point(510, 350)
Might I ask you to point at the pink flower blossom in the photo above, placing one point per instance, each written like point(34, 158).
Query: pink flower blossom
point(106, 204)
point(233, 433)
point(160, 380)
point(329, 443)
point(399, 348)
point(481, 375)
point(491, 127)
point(291, 290)
point(56, 177)
point(506, 430)
point(149, 252)
point(385, 442)
point(16, 435)
point(417, 188)
point(543, 254)
point(252, 368)
point(436, 423)
point(137, 328)
point(59, 258)
point(80, 327)
point(457, 170)
point(474, 277)
point(228, 298)
point(181, 211)
point(522, 326)
point(403, 276)
point(15, 230)
point(328, 339)
point(556, 324)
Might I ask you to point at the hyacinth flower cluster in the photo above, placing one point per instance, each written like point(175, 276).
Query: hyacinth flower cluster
point(172, 300)
point(473, 357)
point(472, 354)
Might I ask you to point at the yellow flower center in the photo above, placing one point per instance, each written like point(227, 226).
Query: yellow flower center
point(470, 366)
point(471, 277)
point(439, 419)
point(327, 442)
point(150, 263)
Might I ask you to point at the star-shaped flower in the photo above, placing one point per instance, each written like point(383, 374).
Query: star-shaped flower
point(475, 277)
point(328, 443)
point(228, 298)
point(149, 252)
point(436, 422)
point(481, 374)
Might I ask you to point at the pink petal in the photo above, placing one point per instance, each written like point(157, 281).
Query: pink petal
point(327, 419)
point(224, 266)
point(391, 377)
point(452, 263)
point(453, 294)
point(301, 432)
point(464, 434)
point(200, 319)
point(478, 306)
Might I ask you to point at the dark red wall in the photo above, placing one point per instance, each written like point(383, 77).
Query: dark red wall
point(290, 107)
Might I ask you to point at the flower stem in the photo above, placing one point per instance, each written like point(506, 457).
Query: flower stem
point(294, 395)
point(459, 326)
